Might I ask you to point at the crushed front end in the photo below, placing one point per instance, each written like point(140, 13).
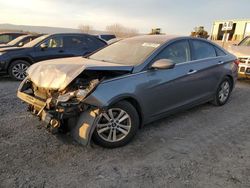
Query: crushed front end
point(57, 92)
point(62, 109)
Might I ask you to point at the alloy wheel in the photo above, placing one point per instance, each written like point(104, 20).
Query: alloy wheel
point(224, 91)
point(19, 71)
point(114, 125)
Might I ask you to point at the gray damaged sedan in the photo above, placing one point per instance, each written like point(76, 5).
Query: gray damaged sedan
point(107, 96)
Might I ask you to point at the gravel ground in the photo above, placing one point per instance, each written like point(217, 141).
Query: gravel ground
point(206, 146)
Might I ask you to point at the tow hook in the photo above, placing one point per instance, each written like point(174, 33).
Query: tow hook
point(54, 126)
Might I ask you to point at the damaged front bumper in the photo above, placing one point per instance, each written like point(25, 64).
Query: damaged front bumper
point(80, 119)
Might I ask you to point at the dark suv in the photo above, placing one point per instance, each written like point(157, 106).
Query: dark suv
point(15, 61)
point(6, 37)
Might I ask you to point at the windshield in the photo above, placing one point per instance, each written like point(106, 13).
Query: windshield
point(17, 40)
point(245, 42)
point(35, 41)
point(127, 52)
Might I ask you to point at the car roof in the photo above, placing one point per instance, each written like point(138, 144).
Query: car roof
point(69, 34)
point(154, 38)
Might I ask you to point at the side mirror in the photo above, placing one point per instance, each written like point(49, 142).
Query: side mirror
point(163, 64)
point(20, 44)
point(44, 45)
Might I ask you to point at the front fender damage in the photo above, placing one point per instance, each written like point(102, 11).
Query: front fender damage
point(83, 127)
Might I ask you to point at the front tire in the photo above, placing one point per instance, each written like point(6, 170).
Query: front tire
point(117, 126)
point(17, 69)
point(223, 92)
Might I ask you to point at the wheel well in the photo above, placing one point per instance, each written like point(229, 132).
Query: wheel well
point(137, 106)
point(23, 58)
point(231, 80)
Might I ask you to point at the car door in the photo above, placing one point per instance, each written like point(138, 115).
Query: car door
point(206, 63)
point(172, 89)
point(54, 49)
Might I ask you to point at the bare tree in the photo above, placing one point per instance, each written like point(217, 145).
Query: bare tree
point(86, 28)
point(121, 31)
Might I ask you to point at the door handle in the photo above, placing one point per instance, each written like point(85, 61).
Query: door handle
point(192, 71)
point(61, 51)
point(220, 62)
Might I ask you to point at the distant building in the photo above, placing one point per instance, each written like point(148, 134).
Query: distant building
point(241, 28)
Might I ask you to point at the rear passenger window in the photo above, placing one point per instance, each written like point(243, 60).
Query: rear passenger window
point(5, 38)
point(219, 52)
point(203, 50)
point(74, 42)
point(94, 43)
point(178, 52)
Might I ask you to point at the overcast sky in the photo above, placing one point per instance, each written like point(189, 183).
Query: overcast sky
point(173, 16)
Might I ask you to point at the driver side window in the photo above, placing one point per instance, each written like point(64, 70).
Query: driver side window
point(178, 52)
point(55, 42)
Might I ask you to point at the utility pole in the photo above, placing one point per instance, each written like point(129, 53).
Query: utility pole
point(225, 38)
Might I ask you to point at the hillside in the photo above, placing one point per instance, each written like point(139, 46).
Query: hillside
point(41, 29)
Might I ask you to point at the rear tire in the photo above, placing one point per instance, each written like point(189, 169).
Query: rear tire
point(17, 69)
point(223, 92)
point(117, 126)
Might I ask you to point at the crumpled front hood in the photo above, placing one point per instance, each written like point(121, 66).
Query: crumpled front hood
point(240, 51)
point(56, 74)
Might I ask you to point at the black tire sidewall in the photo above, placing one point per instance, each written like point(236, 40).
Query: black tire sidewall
point(129, 108)
point(217, 100)
point(13, 64)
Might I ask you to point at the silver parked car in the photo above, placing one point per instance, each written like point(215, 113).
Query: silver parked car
point(110, 94)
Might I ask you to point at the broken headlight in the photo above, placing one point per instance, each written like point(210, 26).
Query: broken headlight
point(65, 97)
point(79, 94)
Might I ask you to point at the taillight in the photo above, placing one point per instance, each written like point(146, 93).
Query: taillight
point(237, 62)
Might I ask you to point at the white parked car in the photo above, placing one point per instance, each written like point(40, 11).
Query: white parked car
point(242, 51)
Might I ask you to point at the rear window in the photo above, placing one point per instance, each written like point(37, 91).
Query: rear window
point(107, 37)
point(203, 50)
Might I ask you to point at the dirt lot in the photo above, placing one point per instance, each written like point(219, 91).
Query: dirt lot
point(204, 147)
